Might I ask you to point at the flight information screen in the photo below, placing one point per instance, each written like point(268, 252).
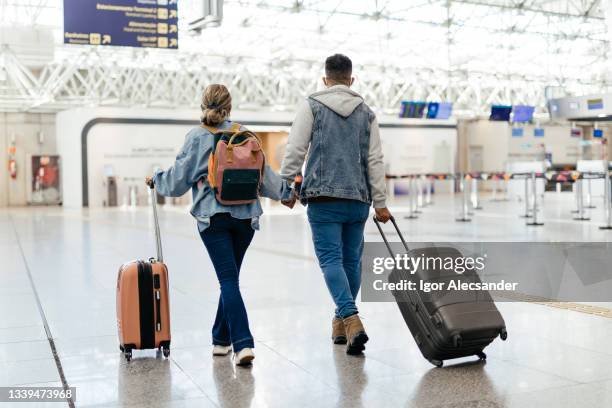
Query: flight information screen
point(523, 113)
point(412, 109)
point(500, 112)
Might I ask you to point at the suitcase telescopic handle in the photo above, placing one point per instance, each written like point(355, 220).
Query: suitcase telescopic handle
point(384, 237)
point(160, 256)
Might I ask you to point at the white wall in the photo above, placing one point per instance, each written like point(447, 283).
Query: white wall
point(493, 137)
point(131, 151)
point(25, 128)
point(500, 148)
point(120, 145)
point(69, 126)
point(556, 139)
point(420, 148)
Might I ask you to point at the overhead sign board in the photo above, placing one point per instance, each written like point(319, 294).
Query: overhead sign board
point(588, 107)
point(594, 104)
point(131, 23)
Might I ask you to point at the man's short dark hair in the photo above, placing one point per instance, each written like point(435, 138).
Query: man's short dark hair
point(338, 67)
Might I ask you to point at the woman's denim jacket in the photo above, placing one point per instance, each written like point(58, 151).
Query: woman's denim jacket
point(191, 165)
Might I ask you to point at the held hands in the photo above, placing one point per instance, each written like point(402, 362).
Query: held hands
point(297, 185)
point(291, 202)
point(382, 214)
point(149, 181)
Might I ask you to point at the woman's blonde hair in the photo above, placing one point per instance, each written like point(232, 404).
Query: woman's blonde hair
point(216, 104)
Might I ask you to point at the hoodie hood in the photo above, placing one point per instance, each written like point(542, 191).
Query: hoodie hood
point(339, 98)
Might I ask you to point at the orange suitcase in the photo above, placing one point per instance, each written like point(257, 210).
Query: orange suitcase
point(143, 307)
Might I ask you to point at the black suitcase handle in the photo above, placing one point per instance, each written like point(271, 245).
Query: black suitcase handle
point(384, 237)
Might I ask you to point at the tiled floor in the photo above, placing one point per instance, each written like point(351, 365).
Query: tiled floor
point(553, 357)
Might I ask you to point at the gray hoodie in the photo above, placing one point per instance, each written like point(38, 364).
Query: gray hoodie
point(342, 100)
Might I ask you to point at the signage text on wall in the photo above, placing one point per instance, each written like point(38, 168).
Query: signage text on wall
point(132, 23)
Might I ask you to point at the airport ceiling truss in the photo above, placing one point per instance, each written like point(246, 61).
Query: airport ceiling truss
point(471, 52)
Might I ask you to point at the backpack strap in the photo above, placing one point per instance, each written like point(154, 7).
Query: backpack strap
point(235, 128)
point(211, 129)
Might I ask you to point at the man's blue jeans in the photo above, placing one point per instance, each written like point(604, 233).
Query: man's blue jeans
point(337, 233)
point(227, 240)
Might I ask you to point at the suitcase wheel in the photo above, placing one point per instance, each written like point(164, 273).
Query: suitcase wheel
point(437, 363)
point(166, 351)
point(503, 334)
point(481, 355)
point(128, 355)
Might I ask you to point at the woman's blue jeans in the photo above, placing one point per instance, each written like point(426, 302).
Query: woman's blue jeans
point(337, 233)
point(227, 240)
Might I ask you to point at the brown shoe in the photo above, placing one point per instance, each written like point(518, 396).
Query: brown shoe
point(338, 332)
point(355, 334)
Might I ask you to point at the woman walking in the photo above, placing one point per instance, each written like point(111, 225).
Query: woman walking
point(226, 229)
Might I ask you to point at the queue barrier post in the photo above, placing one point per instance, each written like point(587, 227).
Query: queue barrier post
point(391, 187)
point(581, 213)
point(607, 201)
point(505, 196)
point(527, 214)
point(589, 197)
point(499, 185)
point(464, 201)
point(412, 199)
point(495, 187)
point(576, 198)
point(468, 193)
point(430, 184)
point(418, 197)
point(534, 208)
point(475, 200)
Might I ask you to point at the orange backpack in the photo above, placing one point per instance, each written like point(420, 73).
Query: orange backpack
point(235, 165)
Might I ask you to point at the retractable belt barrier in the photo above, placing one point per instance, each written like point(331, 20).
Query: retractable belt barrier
point(415, 190)
point(564, 176)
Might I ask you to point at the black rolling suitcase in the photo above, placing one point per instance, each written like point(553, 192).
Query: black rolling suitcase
point(445, 325)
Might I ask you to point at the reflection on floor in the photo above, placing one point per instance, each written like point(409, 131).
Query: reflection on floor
point(553, 357)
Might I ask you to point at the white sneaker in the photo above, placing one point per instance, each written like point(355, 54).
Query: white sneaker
point(244, 357)
point(221, 350)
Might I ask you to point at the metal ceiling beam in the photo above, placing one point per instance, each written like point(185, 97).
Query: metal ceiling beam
point(459, 24)
point(592, 7)
point(108, 77)
point(532, 9)
point(79, 81)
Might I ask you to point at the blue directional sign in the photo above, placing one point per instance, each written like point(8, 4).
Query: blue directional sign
point(132, 23)
point(517, 132)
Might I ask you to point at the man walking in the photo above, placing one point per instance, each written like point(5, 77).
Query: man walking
point(344, 175)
